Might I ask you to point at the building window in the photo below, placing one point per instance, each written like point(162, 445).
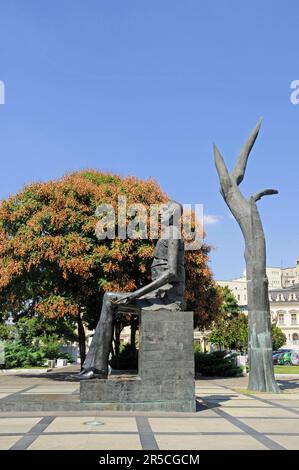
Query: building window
point(281, 318)
point(295, 337)
point(294, 319)
point(239, 297)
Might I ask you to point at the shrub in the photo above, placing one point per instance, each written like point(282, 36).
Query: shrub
point(218, 363)
point(7, 332)
point(18, 355)
point(50, 348)
point(127, 359)
point(65, 355)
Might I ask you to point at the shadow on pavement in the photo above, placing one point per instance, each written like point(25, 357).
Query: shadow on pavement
point(63, 375)
point(291, 384)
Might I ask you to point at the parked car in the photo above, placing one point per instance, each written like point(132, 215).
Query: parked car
point(275, 356)
point(295, 358)
point(284, 359)
point(287, 357)
point(278, 353)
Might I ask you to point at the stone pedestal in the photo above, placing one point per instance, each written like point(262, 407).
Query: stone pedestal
point(165, 378)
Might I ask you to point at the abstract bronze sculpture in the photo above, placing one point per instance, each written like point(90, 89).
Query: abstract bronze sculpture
point(261, 374)
point(166, 291)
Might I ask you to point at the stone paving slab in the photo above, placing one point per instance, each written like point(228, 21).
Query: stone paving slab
point(209, 442)
point(288, 442)
point(182, 425)
point(17, 425)
point(294, 403)
point(222, 396)
point(278, 426)
point(261, 413)
point(249, 403)
point(88, 424)
point(6, 442)
point(86, 442)
point(278, 397)
point(226, 419)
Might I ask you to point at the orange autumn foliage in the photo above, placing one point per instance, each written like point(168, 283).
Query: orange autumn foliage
point(51, 258)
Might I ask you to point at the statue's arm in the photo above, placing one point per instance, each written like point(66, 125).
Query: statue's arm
point(165, 278)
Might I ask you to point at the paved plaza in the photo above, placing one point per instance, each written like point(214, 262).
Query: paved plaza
point(226, 418)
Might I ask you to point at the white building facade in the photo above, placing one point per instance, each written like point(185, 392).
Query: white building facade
point(284, 304)
point(283, 296)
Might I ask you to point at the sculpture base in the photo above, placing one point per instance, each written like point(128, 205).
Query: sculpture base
point(166, 369)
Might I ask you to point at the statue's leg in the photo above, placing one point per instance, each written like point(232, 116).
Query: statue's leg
point(98, 354)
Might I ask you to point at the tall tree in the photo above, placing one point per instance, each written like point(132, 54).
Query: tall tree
point(229, 307)
point(52, 264)
point(233, 334)
point(279, 339)
point(245, 211)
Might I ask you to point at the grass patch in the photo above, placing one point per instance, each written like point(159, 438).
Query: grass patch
point(286, 369)
point(249, 392)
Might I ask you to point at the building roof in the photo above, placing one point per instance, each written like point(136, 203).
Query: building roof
point(294, 289)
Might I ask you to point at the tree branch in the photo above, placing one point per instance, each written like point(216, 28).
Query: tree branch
point(265, 192)
point(240, 168)
point(223, 174)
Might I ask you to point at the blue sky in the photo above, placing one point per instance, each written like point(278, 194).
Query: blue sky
point(145, 87)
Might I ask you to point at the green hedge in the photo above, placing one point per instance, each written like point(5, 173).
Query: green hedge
point(218, 363)
point(34, 355)
point(17, 355)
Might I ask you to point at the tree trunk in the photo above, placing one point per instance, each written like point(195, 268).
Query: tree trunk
point(82, 339)
point(261, 373)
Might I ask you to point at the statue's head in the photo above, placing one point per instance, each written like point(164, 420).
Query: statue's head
point(171, 212)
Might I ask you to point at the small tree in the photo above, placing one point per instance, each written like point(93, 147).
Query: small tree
point(229, 306)
point(233, 334)
point(278, 337)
